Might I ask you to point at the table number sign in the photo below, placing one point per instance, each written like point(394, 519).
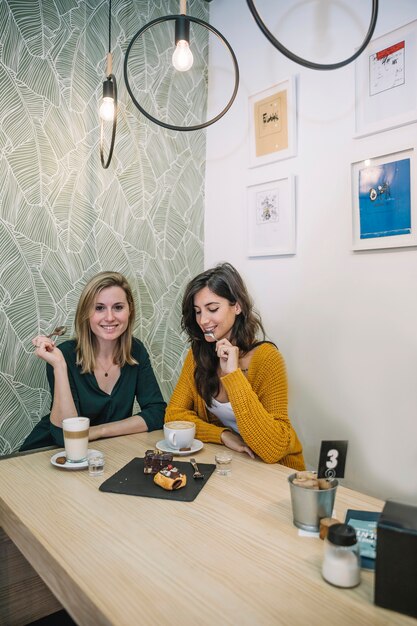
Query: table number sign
point(332, 459)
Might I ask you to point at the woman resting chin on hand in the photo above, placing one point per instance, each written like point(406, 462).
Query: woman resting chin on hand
point(233, 386)
point(101, 372)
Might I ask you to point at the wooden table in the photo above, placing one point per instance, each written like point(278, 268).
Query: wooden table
point(232, 556)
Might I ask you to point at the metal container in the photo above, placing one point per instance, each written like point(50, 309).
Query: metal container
point(310, 505)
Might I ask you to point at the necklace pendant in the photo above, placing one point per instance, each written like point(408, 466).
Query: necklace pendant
point(106, 374)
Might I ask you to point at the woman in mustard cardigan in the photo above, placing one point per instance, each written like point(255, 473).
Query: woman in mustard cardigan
point(232, 386)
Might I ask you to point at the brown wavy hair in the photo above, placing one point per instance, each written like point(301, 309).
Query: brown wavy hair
point(225, 281)
point(86, 343)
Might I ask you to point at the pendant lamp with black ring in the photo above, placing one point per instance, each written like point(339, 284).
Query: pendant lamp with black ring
point(182, 61)
point(108, 107)
point(304, 62)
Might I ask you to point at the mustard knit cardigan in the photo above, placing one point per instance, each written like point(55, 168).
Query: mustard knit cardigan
point(259, 402)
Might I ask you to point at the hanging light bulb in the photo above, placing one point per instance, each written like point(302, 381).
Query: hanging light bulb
point(107, 108)
point(182, 59)
point(182, 31)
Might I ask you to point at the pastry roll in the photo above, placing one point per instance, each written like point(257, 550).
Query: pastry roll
point(170, 478)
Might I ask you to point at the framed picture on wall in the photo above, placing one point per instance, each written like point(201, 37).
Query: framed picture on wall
point(384, 201)
point(386, 82)
point(271, 218)
point(272, 124)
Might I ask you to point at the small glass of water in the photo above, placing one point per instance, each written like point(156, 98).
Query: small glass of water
point(96, 463)
point(223, 463)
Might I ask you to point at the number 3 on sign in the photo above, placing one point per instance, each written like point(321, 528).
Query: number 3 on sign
point(332, 462)
point(332, 459)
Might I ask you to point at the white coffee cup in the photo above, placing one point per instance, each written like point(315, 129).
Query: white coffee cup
point(75, 431)
point(179, 434)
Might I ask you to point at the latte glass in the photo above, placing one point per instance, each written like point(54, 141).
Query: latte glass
point(75, 431)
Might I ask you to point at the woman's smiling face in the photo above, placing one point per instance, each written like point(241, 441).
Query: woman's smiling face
point(215, 314)
point(110, 315)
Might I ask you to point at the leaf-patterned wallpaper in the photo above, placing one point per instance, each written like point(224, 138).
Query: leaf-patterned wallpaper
point(62, 217)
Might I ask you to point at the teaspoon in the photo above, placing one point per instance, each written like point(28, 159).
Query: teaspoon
point(210, 336)
point(197, 473)
point(58, 331)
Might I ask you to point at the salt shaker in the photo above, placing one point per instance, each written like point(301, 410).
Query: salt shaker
point(341, 562)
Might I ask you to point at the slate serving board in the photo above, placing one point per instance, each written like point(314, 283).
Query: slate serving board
point(131, 481)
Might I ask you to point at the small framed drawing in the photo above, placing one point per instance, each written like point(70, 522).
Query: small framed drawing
point(272, 124)
point(384, 202)
point(271, 218)
point(386, 82)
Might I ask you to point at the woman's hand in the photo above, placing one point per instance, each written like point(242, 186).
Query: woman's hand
point(94, 433)
point(45, 349)
point(228, 356)
point(126, 426)
point(235, 442)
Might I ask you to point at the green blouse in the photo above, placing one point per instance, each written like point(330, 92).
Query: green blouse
point(135, 382)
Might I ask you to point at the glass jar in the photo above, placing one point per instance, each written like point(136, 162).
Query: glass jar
point(341, 562)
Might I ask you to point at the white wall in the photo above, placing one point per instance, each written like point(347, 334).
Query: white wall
point(346, 322)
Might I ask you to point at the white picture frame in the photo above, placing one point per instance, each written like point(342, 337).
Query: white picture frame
point(386, 82)
point(273, 123)
point(271, 221)
point(384, 213)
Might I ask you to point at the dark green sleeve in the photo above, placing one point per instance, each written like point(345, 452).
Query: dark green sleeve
point(148, 394)
point(56, 431)
point(56, 434)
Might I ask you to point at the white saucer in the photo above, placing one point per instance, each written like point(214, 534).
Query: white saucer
point(164, 447)
point(70, 466)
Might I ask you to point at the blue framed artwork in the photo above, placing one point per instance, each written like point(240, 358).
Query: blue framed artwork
point(383, 203)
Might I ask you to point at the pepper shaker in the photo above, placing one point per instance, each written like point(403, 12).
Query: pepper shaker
point(341, 562)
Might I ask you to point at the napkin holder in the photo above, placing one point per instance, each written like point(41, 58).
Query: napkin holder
point(396, 558)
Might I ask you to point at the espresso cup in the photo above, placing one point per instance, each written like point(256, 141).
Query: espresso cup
point(179, 434)
point(75, 431)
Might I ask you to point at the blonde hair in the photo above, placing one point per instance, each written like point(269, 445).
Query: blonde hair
point(86, 343)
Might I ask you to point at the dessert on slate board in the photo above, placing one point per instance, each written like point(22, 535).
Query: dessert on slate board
point(170, 478)
point(155, 461)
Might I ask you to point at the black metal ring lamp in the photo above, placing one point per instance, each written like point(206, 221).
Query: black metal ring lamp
point(110, 92)
point(182, 23)
point(314, 66)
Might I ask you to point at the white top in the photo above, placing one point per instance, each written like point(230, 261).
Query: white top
point(224, 412)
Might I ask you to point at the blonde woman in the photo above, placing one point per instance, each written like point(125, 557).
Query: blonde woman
point(101, 372)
